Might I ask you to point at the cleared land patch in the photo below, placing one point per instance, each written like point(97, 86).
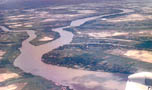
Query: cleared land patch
point(1, 54)
point(45, 39)
point(141, 55)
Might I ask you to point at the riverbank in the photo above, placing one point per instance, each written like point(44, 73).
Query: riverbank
point(44, 37)
point(12, 77)
point(30, 61)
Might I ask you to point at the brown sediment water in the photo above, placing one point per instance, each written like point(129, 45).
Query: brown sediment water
point(30, 61)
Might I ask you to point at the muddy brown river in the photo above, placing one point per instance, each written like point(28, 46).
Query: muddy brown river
point(30, 61)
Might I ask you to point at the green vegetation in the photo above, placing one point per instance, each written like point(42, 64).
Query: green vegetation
point(41, 34)
point(10, 43)
point(90, 57)
point(145, 45)
point(90, 52)
point(94, 57)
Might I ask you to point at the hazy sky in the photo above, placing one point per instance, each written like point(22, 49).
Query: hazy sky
point(6, 1)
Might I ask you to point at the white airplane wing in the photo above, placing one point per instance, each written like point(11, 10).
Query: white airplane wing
point(139, 81)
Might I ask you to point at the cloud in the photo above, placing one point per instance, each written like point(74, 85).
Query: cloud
point(7, 1)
